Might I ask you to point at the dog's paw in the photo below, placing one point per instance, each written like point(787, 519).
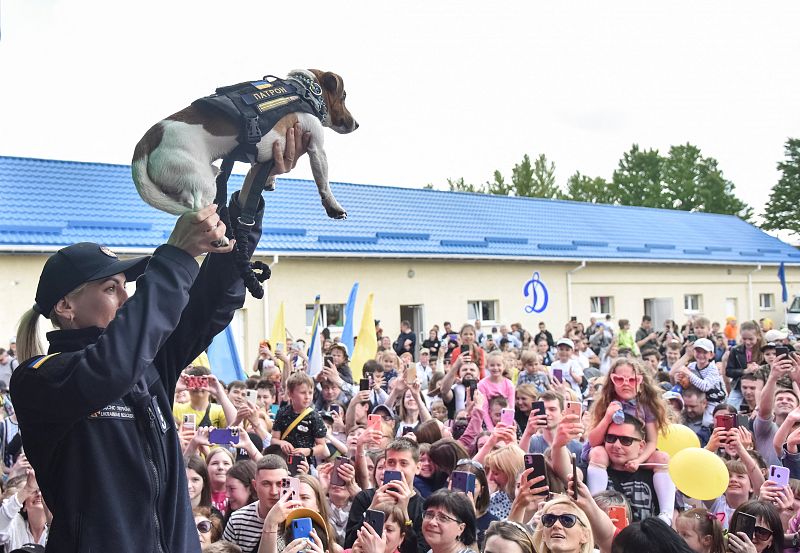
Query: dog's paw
point(335, 213)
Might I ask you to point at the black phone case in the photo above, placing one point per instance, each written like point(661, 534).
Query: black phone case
point(375, 519)
point(537, 462)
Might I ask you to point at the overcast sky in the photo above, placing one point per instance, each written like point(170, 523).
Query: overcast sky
point(440, 88)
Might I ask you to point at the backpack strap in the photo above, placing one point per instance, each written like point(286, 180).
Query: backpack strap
point(206, 420)
point(295, 422)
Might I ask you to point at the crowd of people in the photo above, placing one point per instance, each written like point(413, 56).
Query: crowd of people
point(486, 440)
point(478, 440)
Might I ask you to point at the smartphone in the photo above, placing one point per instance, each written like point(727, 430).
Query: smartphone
point(203, 382)
point(192, 382)
point(252, 396)
point(407, 429)
point(363, 384)
point(538, 408)
point(273, 409)
point(742, 421)
point(779, 475)
point(374, 422)
point(619, 516)
point(462, 481)
point(391, 476)
point(293, 463)
point(558, 375)
point(746, 524)
point(411, 373)
point(223, 436)
point(574, 477)
point(692, 337)
point(189, 420)
point(328, 360)
point(507, 417)
point(376, 520)
point(572, 319)
point(464, 348)
point(537, 463)
point(301, 528)
point(725, 420)
point(781, 350)
point(572, 408)
point(337, 480)
point(279, 347)
point(293, 485)
point(336, 408)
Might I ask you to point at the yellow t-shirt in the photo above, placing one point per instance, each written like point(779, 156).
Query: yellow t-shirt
point(216, 414)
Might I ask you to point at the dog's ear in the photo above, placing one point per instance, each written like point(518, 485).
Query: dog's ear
point(330, 82)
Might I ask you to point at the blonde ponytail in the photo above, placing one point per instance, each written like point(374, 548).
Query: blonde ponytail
point(28, 343)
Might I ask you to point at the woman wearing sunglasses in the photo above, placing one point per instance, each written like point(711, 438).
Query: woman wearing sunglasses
point(768, 534)
point(448, 522)
point(209, 526)
point(563, 528)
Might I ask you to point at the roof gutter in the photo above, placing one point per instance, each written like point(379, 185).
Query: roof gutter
point(569, 285)
point(750, 291)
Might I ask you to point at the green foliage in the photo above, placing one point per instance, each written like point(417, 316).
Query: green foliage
point(783, 209)
point(683, 180)
point(582, 188)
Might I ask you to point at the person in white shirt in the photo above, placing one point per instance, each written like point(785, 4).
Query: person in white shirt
point(566, 365)
point(424, 369)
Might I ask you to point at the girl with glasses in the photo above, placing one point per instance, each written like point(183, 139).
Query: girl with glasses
point(629, 390)
point(563, 528)
point(768, 536)
point(209, 526)
point(448, 522)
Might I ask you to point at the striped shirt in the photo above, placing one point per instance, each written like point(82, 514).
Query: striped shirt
point(244, 527)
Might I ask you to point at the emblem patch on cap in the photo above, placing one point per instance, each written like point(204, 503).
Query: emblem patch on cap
point(108, 252)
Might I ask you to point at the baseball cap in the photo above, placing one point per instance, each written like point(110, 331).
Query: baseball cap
point(566, 342)
point(424, 351)
point(673, 395)
point(74, 265)
point(342, 347)
point(704, 344)
point(769, 345)
point(775, 335)
point(382, 407)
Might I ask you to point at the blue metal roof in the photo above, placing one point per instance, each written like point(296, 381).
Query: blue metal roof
point(49, 204)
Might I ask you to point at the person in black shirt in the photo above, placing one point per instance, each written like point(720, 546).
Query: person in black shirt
point(406, 341)
point(298, 428)
point(544, 333)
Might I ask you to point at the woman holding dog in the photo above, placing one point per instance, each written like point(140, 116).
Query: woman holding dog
point(95, 411)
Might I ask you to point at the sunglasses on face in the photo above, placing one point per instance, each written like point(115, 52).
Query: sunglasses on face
point(621, 380)
point(624, 440)
point(762, 534)
point(567, 520)
point(204, 526)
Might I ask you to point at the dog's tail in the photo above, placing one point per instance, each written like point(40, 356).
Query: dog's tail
point(152, 193)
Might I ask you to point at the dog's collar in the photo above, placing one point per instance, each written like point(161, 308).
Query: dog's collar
point(312, 92)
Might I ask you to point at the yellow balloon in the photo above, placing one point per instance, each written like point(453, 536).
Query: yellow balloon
point(698, 473)
point(677, 438)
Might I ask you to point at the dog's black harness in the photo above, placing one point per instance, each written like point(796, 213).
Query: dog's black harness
point(257, 106)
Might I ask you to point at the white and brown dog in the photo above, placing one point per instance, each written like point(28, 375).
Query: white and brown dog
point(173, 162)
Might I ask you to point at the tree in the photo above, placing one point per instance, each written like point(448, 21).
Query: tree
point(532, 181)
point(582, 188)
point(783, 209)
point(460, 186)
point(637, 181)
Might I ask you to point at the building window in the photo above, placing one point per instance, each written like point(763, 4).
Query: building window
point(602, 305)
point(332, 315)
point(766, 302)
point(485, 310)
point(691, 303)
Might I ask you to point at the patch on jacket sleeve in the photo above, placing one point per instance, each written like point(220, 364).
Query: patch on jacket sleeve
point(117, 410)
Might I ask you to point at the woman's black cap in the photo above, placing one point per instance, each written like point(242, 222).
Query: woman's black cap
point(74, 265)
